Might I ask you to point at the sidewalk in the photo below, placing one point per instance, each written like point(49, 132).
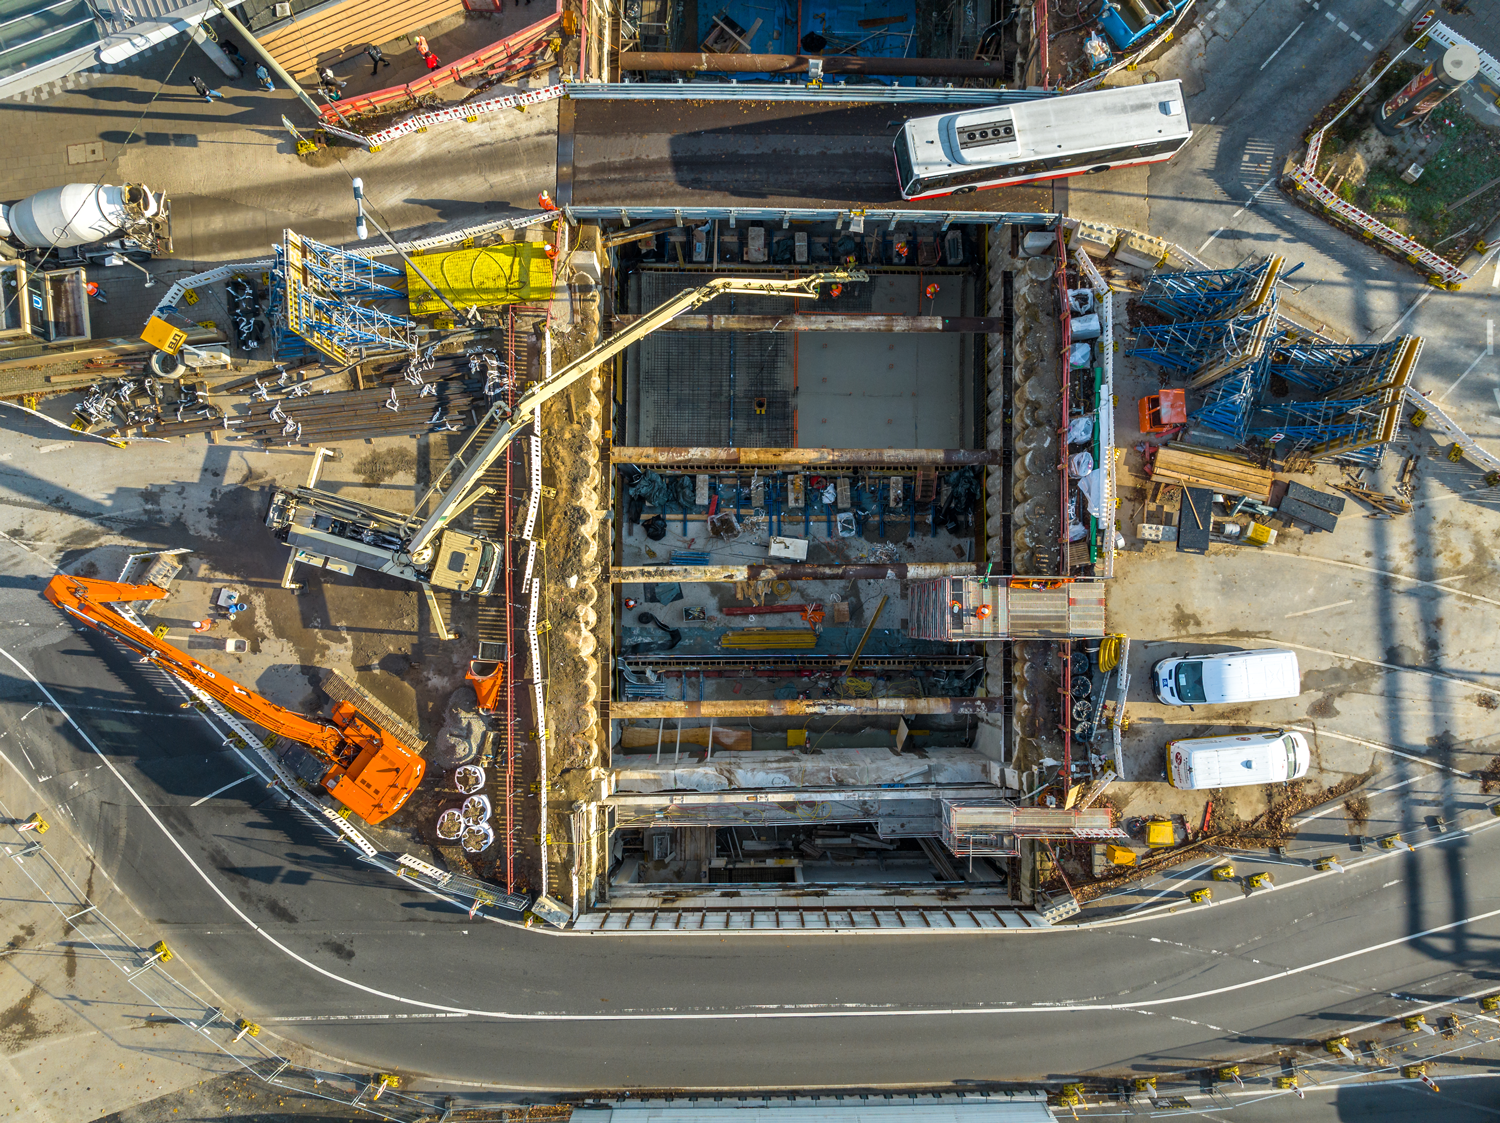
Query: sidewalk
point(234, 178)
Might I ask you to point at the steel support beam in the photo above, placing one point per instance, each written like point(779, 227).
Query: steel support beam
point(817, 321)
point(899, 571)
point(798, 457)
point(794, 707)
point(797, 64)
point(732, 796)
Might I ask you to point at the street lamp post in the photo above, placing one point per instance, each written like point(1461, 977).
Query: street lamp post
point(362, 231)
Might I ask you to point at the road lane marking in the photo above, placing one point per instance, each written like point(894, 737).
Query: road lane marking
point(1284, 42)
point(1479, 358)
point(220, 791)
point(1321, 608)
point(1381, 572)
point(1332, 807)
point(1253, 196)
point(1489, 337)
point(803, 1011)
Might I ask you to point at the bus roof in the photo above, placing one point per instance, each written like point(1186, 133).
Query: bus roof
point(1054, 126)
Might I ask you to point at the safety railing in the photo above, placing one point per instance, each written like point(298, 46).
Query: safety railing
point(494, 60)
point(1304, 178)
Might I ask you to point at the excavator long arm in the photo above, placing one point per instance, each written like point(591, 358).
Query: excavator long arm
point(464, 469)
point(369, 770)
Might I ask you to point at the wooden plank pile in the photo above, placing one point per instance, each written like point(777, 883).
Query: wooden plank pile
point(1208, 468)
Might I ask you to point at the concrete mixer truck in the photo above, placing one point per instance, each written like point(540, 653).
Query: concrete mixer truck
point(88, 223)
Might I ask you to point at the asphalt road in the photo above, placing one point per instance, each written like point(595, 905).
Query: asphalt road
point(748, 154)
point(314, 946)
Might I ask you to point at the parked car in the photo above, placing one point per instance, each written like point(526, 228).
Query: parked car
point(1227, 677)
point(1237, 759)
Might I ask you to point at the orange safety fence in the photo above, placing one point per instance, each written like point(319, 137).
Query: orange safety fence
point(511, 49)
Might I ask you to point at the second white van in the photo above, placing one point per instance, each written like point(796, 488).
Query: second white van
point(1227, 677)
point(1237, 760)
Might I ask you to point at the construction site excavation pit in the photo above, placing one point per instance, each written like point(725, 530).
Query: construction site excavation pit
point(843, 600)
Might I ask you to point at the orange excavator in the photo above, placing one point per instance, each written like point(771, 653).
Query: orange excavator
point(370, 771)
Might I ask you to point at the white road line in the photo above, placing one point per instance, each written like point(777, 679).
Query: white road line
point(220, 791)
point(1284, 42)
point(1342, 25)
point(1489, 337)
point(1464, 682)
point(1421, 300)
point(731, 1015)
point(1381, 572)
point(1253, 196)
point(1367, 45)
point(1332, 807)
point(1479, 358)
point(1320, 608)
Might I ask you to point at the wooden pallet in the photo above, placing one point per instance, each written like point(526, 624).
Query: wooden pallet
point(1221, 473)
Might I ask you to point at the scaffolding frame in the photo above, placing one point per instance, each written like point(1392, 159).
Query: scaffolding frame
point(1210, 294)
point(1225, 336)
point(327, 317)
point(345, 274)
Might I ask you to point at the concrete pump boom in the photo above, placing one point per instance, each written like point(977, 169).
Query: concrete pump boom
point(465, 473)
point(370, 771)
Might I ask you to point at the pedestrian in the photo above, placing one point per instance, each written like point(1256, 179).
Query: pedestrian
point(331, 81)
point(377, 57)
point(263, 76)
point(431, 60)
point(232, 49)
point(203, 91)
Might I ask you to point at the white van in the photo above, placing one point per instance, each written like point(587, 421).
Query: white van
point(1230, 676)
point(1232, 762)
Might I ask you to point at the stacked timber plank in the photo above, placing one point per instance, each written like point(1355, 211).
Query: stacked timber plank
point(1220, 471)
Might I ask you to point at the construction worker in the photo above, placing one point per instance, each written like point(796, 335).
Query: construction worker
point(263, 76)
point(377, 57)
point(544, 200)
point(422, 46)
point(203, 91)
point(93, 289)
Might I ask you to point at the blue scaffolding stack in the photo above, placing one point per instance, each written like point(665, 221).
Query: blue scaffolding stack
point(316, 289)
point(1334, 399)
point(1206, 294)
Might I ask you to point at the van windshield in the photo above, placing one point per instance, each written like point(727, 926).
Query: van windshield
point(908, 181)
point(1291, 756)
point(1190, 681)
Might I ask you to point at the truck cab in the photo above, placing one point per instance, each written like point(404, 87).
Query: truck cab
point(465, 564)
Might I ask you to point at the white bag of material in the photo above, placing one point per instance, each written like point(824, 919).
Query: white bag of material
point(1082, 301)
point(1092, 488)
point(1080, 429)
point(1086, 327)
point(1076, 531)
point(1080, 355)
point(830, 494)
point(1080, 464)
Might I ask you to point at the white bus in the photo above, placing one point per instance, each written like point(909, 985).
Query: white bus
point(955, 153)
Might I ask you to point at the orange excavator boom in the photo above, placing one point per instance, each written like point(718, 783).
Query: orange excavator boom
point(370, 771)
